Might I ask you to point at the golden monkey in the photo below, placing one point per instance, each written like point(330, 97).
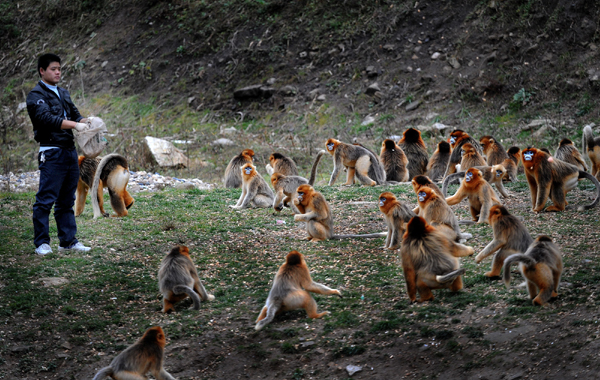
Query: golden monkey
point(436, 168)
point(434, 209)
point(568, 153)
point(492, 174)
point(493, 150)
point(396, 214)
point(145, 355)
point(290, 291)
point(470, 157)
point(255, 191)
point(550, 177)
point(112, 172)
point(285, 186)
point(480, 194)
point(591, 146)
point(511, 164)
point(457, 139)
point(281, 164)
point(414, 147)
point(423, 181)
point(359, 161)
point(429, 260)
point(394, 161)
point(542, 266)
point(315, 211)
point(510, 236)
point(178, 279)
point(233, 174)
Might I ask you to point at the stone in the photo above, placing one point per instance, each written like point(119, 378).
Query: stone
point(352, 369)
point(321, 98)
point(223, 141)
point(21, 107)
point(288, 91)
point(184, 186)
point(371, 71)
point(435, 55)
point(253, 92)
point(452, 61)
point(368, 120)
point(164, 154)
point(372, 89)
point(413, 106)
point(53, 281)
point(103, 65)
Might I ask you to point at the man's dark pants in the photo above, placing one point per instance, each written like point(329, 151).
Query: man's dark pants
point(59, 174)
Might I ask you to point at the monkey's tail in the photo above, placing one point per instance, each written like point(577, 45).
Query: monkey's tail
point(271, 311)
point(587, 175)
point(448, 180)
point(190, 292)
point(96, 183)
point(466, 222)
point(450, 276)
point(104, 372)
point(363, 236)
point(516, 258)
point(313, 171)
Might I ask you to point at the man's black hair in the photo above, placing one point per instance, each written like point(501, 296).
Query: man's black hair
point(45, 60)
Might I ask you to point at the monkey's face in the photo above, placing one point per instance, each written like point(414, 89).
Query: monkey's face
point(499, 173)
point(422, 196)
point(300, 196)
point(330, 146)
point(382, 201)
point(462, 152)
point(528, 155)
point(248, 170)
point(468, 176)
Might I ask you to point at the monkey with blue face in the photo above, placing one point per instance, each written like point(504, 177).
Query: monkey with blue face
point(255, 190)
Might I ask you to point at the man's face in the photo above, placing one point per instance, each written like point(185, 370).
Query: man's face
point(52, 74)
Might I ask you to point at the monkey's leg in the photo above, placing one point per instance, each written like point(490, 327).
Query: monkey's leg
point(317, 231)
point(362, 171)
point(199, 288)
point(533, 188)
point(100, 196)
point(498, 262)
point(489, 249)
point(262, 201)
point(262, 315)
point(310, 305)
point(558, 198)
point(542, 196)
point(542, 276)
point(316, 287)
point(456, 284)
point(556, 277)
point(167, 305)
point(80, 196)
point(388, 237)
point(532, 288)
point(127, 375)
point(460, 250)
point(350, 177)
point(117, 203)
point(394, 238)
point(425, 293)
point(278, 203)
point(475, 213)
point(128, 199)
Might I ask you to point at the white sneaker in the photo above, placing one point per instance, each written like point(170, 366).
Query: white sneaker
point(76, 247)
point(43, 249)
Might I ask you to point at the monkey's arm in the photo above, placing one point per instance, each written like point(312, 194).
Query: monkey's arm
point(533, 188)
point(500, 188)
point(490, 249)
point(543, 191)
point(460, 250)
point(456, 198)
point(306, 217)
point(316, 287)
point(239, 202)
point(250, 194)
point(337, 165)
point(487, 203)
point(278, 202)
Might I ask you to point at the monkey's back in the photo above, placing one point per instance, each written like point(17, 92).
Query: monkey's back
point(394, 164)
point(233, 174)
point(430, 253)
point(87, 169)
point(519, 239)
point(417, 158)
point(176, 269)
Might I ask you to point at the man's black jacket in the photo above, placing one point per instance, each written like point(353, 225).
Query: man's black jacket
point(47, 112)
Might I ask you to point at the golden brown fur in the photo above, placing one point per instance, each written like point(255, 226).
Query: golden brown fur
point(568, 153)
point(510, 236)
point(358, 160)
point(457, 139)
point(281, 164)
point(112, 172)
point(511, 164)
point(550, 177)
point(541, 266)
point(493, 150)
point(434, 209)
point(591, 147)
point(423, 181)
point(394, 161)
point(315, 211)
point(178, 279)
point(255, 190)
point(290, 291)
point(396, 215)
point(470, 157)
point(436, 168)
point(492, 174)
point(233, 174)
point(145, 355)
point(429, 260)
point(414, 147)
point(480, 194)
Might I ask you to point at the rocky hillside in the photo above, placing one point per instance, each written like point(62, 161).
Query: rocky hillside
point(353, 68)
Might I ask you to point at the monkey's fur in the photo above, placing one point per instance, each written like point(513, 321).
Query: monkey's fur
point(429, 260)
point(396, 215)
point(480, 194)
point(145, 355)
point(511, 164)
point(457, 139)
point(233, 174)
point(436, 168)
point(178, 279)
point(510, 236)
point(255, 191)
point(470, 157)
point(290, 291)
point(493, 150)
point(285, 186)
point(394, 161)
point(492, 174)
point(281, 164)
point(414, 147)
point(315, 211)
point(434, 209)
point(568, 153)
point(359, 161)
point(113, 172)
point(552, 177)
point(591, 147)
point(541, 266)
point(423, 181)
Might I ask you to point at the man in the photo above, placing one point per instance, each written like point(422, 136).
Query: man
point(54, 116)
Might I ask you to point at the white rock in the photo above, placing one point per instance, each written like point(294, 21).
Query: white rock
point(165, 154)
point(352, 369)
point(223, 141)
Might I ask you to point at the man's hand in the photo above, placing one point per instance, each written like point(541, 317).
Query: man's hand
point(80, 127)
